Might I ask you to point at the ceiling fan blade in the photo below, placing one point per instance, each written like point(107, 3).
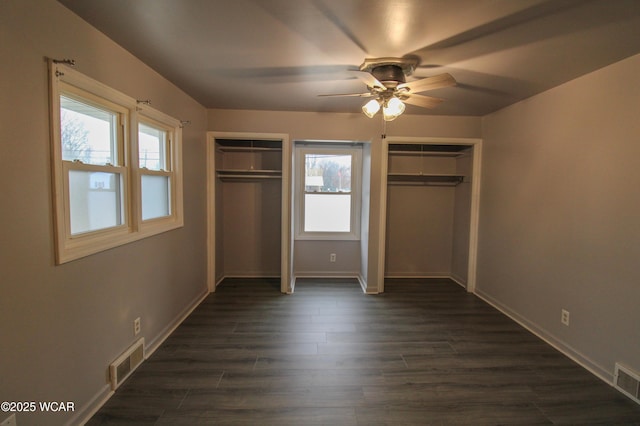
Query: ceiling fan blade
point(429, 83)
point(511, 22)
point(338, 22)
point(287, 74)
point(422, 101)
point(362, 95)
point(369, 79)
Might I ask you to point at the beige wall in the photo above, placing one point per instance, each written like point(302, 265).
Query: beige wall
point(559, 215)
point(250, 232)
point(302, 125)
point(312, 257)
point(419, 231)
point(61, 326)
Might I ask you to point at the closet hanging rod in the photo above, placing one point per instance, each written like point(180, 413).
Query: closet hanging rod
point(421, 183)
point(231, 172)
point(449, 180)
point(247, 177)
point(249, 174)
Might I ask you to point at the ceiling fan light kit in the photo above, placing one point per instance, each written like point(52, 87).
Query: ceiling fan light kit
point(386, 80)
point(391, 108)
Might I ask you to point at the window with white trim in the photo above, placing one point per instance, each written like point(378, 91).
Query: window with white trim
point(155, 169)
point(328, 191)
point(112, 184)
point(92, 139)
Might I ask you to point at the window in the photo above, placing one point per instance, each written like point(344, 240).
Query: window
point(328, 199)
point(155, 170)
point(92, 139)
point(111, 185)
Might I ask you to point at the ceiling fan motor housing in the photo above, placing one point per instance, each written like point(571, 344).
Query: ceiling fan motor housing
point(389, 75)
point(390, 71)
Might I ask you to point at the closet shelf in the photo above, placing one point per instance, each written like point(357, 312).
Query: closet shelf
point(247, 149)
point(250, 145)
point(428, 179)
point(428, 150)
point(226, 174)
point(429, 153)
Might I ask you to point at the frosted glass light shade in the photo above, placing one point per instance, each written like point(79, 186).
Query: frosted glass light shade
point(371, 108)
point(393, 109)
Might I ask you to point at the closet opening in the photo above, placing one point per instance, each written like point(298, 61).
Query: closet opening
point(249, 198)
point(431, 209)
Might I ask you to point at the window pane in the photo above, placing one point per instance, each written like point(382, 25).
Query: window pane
point(155, 197)
point(327, 173)
point(152, 147)
point(327, 213)
point(95, 200)
point(88, 133)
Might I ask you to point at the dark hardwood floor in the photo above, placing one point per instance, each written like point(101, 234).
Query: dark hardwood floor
point(423, 353)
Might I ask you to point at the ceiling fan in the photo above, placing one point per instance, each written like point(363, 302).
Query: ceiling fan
point(386, 80)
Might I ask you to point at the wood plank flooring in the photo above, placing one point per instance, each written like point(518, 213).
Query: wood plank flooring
point(423, 353)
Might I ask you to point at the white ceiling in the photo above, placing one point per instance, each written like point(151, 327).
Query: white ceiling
point(281, 54)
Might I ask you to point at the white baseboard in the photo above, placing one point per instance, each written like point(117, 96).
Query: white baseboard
point(218, 282)
point(171, 327)
point(363, 283)
point(292, 285)
point(567, 350)
point(418, 276)
point(458, 280)
point(325, 274)
point(85, 413)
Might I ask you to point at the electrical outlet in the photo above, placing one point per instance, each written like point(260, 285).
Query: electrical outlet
point(136, 326)
point(332, 257)
point(565, 317)
point(9, 421)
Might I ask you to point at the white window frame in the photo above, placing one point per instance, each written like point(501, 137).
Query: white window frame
point(173, 153)
point(328, 148)
point(67, 81)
